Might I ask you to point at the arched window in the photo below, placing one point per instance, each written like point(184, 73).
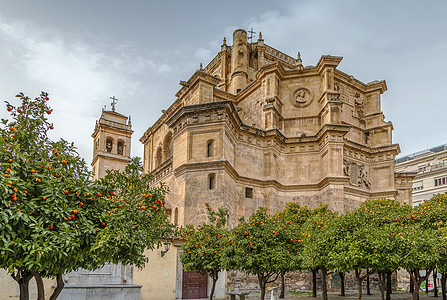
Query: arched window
point(210, 148)
point(109, 145)
point(176, 216)
point(158, 157)
point(120, 148)
point(167, 146)
point(211, 181)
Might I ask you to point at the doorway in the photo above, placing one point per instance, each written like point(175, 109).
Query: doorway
point(194, 285)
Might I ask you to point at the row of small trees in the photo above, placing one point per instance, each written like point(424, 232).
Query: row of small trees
point(54, 218)
point(380, 236)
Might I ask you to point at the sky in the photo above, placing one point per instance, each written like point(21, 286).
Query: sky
point(83, 52)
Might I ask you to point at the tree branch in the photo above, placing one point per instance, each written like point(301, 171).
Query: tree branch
point(40, 286)
point(60, 285)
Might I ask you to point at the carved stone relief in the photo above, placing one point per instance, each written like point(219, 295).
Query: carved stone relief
point(302, 97)
point(357, 173)
point(358, 106)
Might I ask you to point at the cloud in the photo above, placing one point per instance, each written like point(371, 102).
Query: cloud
point(79, 76)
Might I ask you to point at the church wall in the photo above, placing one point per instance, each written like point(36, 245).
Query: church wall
point(382, 176)
point(248, 161)
point(198, 192)
point(198, 141)
point(162, 283)
point(180, 155)
point(356, 135)
point(300, 125)
point(229, 148)
point(252, 109)
point(297, 106)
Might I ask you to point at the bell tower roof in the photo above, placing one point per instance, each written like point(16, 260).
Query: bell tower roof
point(111, 143)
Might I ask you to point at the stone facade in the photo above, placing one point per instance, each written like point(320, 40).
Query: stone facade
point(430, 168)
point(257, 128)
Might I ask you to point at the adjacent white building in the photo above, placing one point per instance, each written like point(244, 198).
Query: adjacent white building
point(431, 165)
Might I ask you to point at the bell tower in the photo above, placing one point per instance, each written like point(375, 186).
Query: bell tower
point(111, 143)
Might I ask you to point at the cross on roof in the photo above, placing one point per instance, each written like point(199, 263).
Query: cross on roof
point(252, 33)
point(113, 104)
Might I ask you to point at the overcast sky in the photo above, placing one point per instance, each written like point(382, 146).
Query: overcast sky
point(82, 52)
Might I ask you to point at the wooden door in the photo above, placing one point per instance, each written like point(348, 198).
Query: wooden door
point(194, 285)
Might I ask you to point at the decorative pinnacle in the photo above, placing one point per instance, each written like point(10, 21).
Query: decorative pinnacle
point(260, 35)
point(299, 62)
point(224, 41)
point(201, 67)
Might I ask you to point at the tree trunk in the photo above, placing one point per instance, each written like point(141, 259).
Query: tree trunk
point(215, 276)
point(435, 284)
point(283, 285)
point(22, 277)
point(359, 284)
point(443, 280)
point(262, 287)
point(426, 281)
point(40, 286)
point(381, 282)
point(314, 283)
point(324, 286)
point(368, 290)
point(388, 285)
point(411, 285)
point(59, 286)
point(342, 283)
point(415, 276)
point(416, 292)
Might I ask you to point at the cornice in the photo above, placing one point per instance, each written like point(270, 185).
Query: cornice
point(225, 165)
point(349, 80)
point(441, 171)
point(112, 156)
point(328, 61)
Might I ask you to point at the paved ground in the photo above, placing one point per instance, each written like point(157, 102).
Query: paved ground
point(349, 296)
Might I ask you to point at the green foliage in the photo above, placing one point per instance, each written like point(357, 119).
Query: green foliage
point(370, 236)
point(53, 217)
point(136, 216)
point(203, 247)
point(319, 237)
point(259, 244)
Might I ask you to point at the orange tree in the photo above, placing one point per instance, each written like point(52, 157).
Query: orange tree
point(426, 241)
point(53, 218)
point(202, 250)
point(434, 216)
point(319, 237)
point(291, 220)
point(369, 240)
point(259, 246)
point(136, 217)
